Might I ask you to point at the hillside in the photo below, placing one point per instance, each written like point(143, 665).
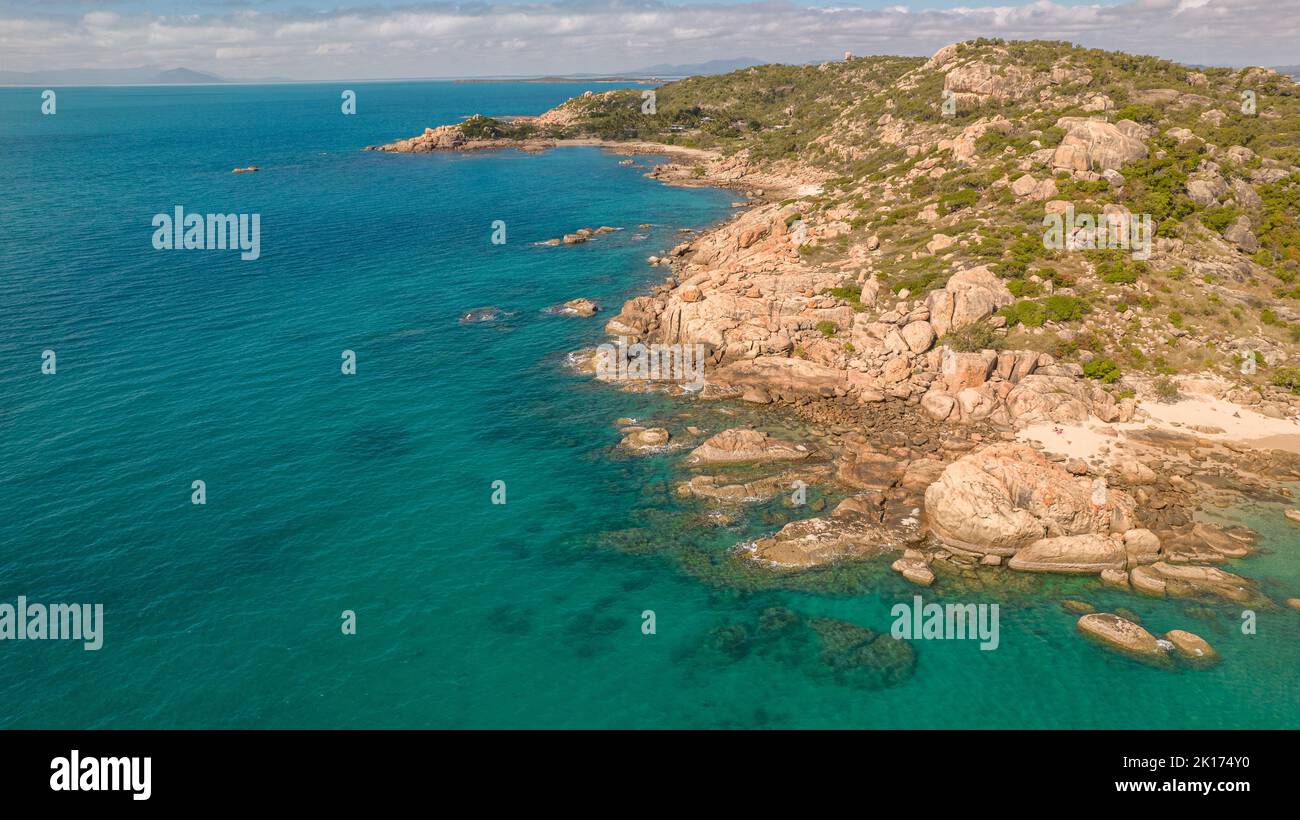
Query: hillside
point(908, 196)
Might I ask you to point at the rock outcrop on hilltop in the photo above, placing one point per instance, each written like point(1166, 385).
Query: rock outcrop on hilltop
point(1092, 144)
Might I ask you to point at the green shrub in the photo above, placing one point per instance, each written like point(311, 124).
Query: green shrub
point(955, 201)
point(851, 293)
point(1052, 137)
point(479, 127)
point(1102, 368)
point(972, 338)
point(1057, 308)
point(1286, 377)
point(1027, 313)
point(1218, 219)
point(1023, 287)
point(1166, 389)
point(1121, 271)
point(827, 328)
point(1063, 308)
point(1138, 112)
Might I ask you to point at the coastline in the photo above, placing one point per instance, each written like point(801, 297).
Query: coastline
point(493, 616)
point(972, 469)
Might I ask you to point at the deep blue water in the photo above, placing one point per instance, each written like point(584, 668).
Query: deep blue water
point(372, 492)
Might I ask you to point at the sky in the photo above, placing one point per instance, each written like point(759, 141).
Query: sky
point(355, 39)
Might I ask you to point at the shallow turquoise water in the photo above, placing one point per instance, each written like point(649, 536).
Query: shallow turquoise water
point(372, 492)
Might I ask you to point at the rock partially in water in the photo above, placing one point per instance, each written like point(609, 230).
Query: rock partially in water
point(644, 438)
point(864, 467)
point(1207, 543)
point(739, 445)
point(1126, 637)
point(1163, 579)
point(729, 489)
point(576, 307)
point(813, 541)
point(1191, 647)
point(915, 570)
point(1115, 578)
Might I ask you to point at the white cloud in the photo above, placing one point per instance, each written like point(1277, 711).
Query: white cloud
point(99, 19)
point(613, 35)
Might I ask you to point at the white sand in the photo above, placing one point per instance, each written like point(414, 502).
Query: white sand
point(1073, 441)
point(1240, 425)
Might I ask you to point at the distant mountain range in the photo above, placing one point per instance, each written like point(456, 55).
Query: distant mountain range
point(144, 75)
point(155, 75)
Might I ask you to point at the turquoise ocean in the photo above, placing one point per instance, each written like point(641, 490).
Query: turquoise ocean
point(372, 492)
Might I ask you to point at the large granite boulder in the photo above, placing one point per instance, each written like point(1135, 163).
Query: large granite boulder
point(978, 81)
point(968, 297)
point(1005, 497)
point(1096, 145)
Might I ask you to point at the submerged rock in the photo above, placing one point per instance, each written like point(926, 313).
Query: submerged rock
point(731, 640)
point(859, 656)
point(482, 315)
point(777, 619)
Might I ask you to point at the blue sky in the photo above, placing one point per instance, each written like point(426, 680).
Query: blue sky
point(338, 39)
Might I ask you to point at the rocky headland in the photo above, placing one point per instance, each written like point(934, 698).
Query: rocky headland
point(978, 401)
